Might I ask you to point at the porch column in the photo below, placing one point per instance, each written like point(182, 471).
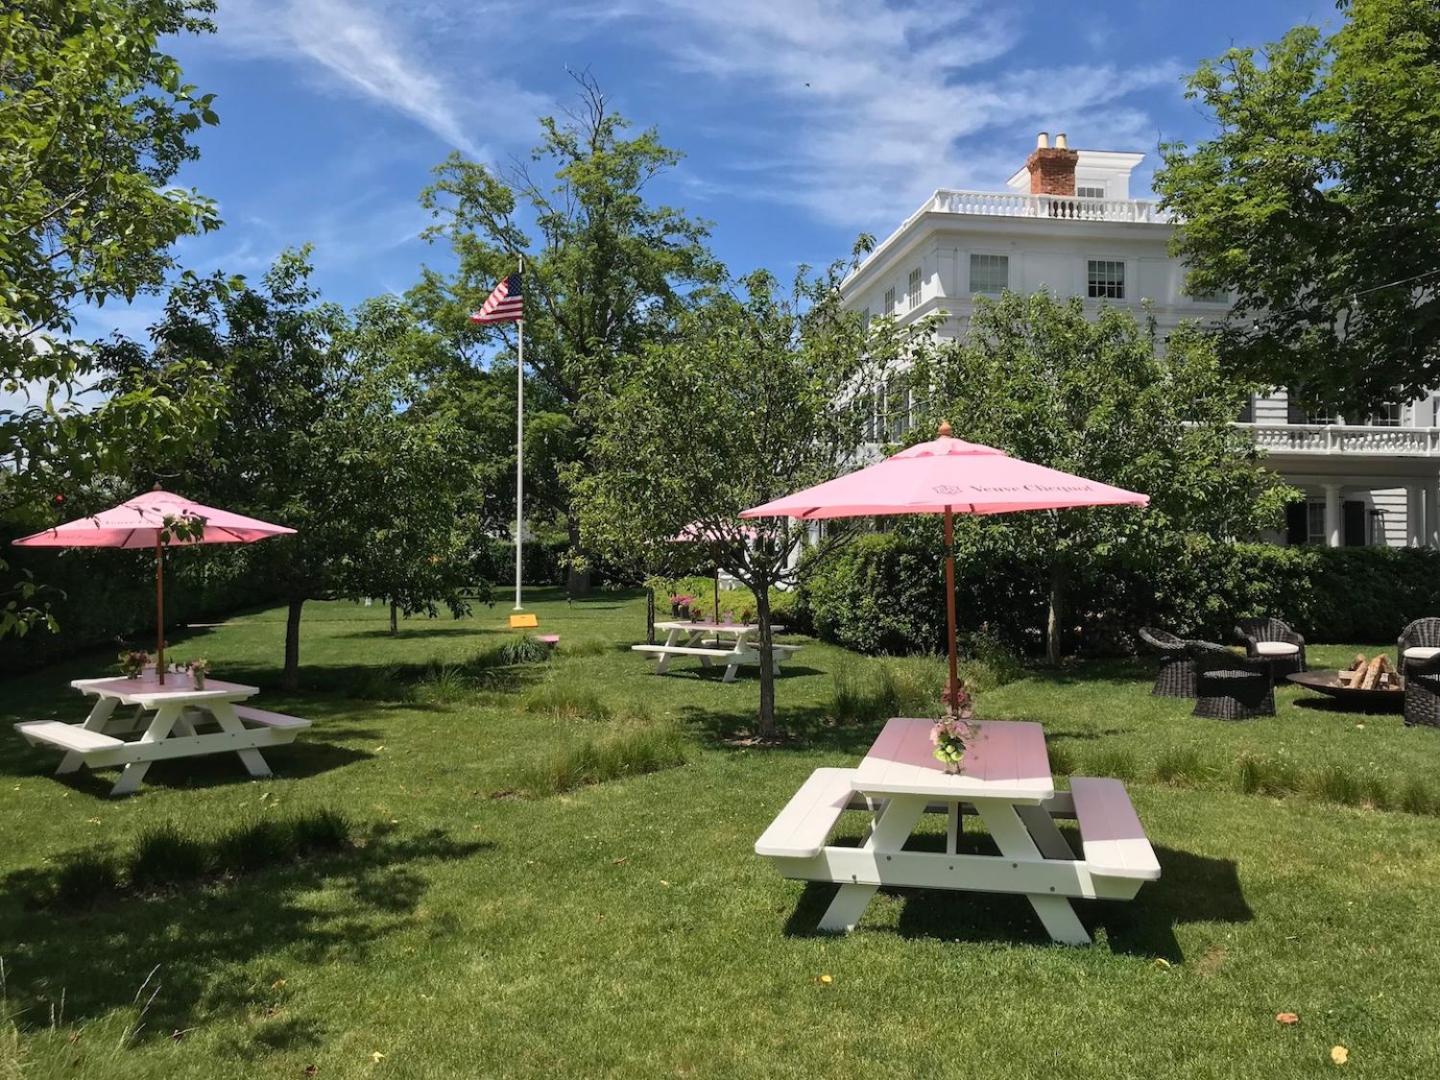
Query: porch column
point(1333, 537)
point(1414, 515)
point(1432, 512)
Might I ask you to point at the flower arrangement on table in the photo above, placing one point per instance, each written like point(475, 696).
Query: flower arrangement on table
point(133, 663)
point(950, 732)
point(680, 604)
point(198, 670)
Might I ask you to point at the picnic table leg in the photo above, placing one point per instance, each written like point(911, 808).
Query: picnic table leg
point(1043, 830)
point(696, 639)
point(1014, 840)
point(953, 828)
point(252, 759)
point(99, 716)
point(671, 637)
point(894, 826)
point(158, 731)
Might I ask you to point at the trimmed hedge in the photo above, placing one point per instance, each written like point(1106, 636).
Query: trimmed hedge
point(885, 593)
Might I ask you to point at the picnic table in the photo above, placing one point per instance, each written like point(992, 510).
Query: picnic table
point(732, 644)
point(177, 721)
point(1005, 780)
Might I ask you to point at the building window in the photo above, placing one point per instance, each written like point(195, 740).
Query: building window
point(1090, 192)
point(989, 273)
point(889, 301)
point(865, 318)
point(913, 298)
point(1391, 414)
point(1315, 522)
point(1105, 279)
point(1321, 418)
point(1247, 411)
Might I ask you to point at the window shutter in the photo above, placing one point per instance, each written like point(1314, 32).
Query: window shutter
point(1355, 523)
point(1297, 524)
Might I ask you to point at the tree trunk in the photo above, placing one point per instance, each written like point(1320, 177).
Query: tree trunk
point(1053, 630)
point(290, 680)
point(767, 667)
point(650, 616)
point(577, 582)
point(394, 618)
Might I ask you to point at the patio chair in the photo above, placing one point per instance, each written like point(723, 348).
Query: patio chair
point(1229, 686)
point(1274, 640)
point(1422, 692)
point(1418, 641)
point(1176, 677)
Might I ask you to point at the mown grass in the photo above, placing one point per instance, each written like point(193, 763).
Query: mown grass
point(618, 924)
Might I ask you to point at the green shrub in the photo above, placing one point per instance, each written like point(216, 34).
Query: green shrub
point(165, 856)
point(629, 751)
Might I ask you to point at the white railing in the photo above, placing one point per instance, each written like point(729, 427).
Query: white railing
point(1062, 207)
point(1345, 439)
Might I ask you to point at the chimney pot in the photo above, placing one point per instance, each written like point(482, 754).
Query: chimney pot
point(1061, 142)
point(1042, 141)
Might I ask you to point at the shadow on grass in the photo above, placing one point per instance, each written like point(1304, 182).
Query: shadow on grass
point(1346, 707)
point(202, 942)
point(1192, 888)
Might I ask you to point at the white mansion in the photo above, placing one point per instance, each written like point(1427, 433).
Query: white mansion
point(1068, 224)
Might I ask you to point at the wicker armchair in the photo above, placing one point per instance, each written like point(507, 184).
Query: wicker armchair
point(1229, 686)
point(1422, 692)
point(1257, 634)
point(1177, 671)
point(1420, 634)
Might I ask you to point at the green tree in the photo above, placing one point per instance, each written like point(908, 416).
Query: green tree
point(1102, 398)
point(322, 435)
point(1314, 204)
point(606, 270)
point(95, 121)
point(740, 406)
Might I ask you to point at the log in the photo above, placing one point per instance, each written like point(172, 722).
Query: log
point(1372, 672)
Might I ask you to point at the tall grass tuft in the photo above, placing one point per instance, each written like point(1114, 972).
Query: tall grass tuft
point(565, 701)
point(586, 647)
point(522, 649)
point(444, 684)
point(1062, 758)
point(1335, 784)
point(1417, 798)
point(1114, 761)
point(85, 880)
point(381, 684)
point(1180, 765)
point(1256, 775)
point(249, 847)
point(165, 856)
point(322, 831)
point(991, 663)
point(875, 692)
point(629, 751)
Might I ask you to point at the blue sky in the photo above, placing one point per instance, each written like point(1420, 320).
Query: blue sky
point(803, 121)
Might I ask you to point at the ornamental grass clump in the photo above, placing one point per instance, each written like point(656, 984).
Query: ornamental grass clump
point(629, 751)
point(523, 649)
point(165, 856)
point(1180, 765)
point(565, 701)
point(444, 684)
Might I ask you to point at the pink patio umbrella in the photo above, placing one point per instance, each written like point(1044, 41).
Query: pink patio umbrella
point(156, 519)
point(946, 476)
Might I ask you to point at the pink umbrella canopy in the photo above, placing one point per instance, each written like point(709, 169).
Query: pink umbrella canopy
point(947, 476)
point(157, 519)
point(141, 522)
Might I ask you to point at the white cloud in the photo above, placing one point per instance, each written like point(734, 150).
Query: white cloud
point(392, 58)
point(870, 108)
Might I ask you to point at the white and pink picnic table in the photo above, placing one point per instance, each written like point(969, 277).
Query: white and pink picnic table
point(1005, 780)
point(728, 643)
point(171, 720)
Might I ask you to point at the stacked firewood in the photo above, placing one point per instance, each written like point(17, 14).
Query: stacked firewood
point(1373, 674)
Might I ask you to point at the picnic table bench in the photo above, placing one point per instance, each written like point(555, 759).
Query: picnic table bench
point(1005, 780)
point(177, 720)
point(705, 640)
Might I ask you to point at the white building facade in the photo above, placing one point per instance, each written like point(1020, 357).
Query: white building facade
point(1068, 225)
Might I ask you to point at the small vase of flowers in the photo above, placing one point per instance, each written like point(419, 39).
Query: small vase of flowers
point(133, 663)
point(680, 605)
point(950, 733)
point(198, 670)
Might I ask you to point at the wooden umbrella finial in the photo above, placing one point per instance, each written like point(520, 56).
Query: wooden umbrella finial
point(944, 429)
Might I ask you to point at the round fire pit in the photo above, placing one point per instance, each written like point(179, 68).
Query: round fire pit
point(1380, 699)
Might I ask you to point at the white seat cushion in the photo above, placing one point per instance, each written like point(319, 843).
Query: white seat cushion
point(1276, 648)
point(1419, 653)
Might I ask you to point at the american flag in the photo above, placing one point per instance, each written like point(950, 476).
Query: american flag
point(504, 304)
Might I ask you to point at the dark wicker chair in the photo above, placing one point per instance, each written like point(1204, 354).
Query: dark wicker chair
point(1229, 686)
point(1254, 632)
point(1177, 671)
point(1420, 634)
point(1422, 692)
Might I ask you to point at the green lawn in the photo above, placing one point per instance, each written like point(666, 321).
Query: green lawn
point(627, 929)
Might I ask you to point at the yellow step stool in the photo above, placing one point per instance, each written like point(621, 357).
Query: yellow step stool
point(524, 622)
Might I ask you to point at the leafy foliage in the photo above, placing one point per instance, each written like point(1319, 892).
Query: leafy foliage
point(1314, 203)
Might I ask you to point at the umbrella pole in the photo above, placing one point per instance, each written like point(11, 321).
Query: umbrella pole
point(953, 695)
point(159, 610)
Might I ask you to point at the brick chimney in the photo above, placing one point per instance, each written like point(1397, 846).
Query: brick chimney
point(1052, 170)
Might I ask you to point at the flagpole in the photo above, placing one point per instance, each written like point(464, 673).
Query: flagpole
point(520, 442)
